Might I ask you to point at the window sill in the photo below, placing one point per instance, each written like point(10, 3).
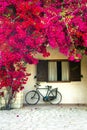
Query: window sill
point(56, 81)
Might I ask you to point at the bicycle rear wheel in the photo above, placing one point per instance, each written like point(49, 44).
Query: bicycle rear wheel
point(32, 97)
point(57, 99)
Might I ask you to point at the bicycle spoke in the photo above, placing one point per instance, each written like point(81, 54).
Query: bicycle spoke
point(32, 97)
point(56, 97)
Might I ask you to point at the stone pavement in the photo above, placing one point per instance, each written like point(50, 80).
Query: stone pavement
point(45, 117)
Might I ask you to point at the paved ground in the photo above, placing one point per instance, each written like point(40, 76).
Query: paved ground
point(42, 117)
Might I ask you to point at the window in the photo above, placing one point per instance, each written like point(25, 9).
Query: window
point(75, 71)
point(56, 70)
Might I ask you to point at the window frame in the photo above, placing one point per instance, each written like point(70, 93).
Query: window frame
point(61, 60)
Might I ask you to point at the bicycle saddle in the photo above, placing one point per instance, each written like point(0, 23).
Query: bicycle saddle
point(49, 87)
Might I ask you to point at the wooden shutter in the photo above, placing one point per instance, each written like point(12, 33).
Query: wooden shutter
point(42, 70)
point(75, 71)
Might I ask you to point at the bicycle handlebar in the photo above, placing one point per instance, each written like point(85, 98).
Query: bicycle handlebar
point(37, 84)
point(49, 87)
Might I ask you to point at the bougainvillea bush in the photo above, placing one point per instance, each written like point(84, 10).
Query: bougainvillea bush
point(27, 27)
point(22, 34)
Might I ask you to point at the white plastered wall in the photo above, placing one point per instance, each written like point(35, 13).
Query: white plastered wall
point(72, 92)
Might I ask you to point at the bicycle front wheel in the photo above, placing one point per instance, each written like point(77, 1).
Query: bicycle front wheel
point(32, 97)
point(57, 99)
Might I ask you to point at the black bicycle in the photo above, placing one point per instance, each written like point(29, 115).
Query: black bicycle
point(52, 95)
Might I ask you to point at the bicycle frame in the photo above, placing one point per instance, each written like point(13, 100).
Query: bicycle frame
point(47, 93)
point(48, 90)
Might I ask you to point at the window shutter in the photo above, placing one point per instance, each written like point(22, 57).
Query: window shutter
point(75, 71)
point(42, 70)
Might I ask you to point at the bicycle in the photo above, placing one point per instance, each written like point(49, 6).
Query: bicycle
point(52, 96)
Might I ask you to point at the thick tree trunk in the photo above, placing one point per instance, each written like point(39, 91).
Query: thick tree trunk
point(10, 97)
